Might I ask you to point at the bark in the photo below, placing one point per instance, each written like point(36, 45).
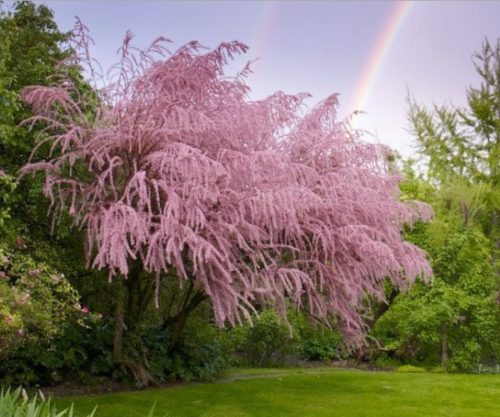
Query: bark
point(119, 324)
point(444, 351)
point(134, 295)
point(181, 318)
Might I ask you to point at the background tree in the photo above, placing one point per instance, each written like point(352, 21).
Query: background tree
point(32, 47)
point(462, 145)
point(177, 176)
point(455, 321)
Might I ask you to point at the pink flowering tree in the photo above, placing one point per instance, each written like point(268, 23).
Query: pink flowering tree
point(177, 176)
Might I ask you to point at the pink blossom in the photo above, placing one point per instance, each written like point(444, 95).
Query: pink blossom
point(85, 310)
point(8, 319)
point(21, 332)
point(3, 275)
point(34, 272)
point(266, 202)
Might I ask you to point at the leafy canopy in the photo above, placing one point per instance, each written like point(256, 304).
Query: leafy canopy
point(256, 202)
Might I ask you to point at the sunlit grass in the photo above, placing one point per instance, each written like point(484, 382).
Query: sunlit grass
point(310, 392)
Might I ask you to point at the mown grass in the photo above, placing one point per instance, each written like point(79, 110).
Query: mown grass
point(309, 392)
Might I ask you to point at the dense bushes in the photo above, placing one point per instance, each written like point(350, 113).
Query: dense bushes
point(48, 334)
point(271, 342)
point(454, 320)
point(37, 306)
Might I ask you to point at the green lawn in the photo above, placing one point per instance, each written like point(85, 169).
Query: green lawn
point(310, 392)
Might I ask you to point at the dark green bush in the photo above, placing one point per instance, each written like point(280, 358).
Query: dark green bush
point(272, 342)
point(267, 342)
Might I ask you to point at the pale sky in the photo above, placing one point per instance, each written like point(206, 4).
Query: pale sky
point(320, 47)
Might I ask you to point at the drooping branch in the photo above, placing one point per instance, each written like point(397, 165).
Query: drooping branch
point(254, 201)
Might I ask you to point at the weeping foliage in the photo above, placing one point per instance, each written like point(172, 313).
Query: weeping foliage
point(257, 202)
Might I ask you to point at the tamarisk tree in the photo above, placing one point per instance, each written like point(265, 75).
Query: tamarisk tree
point(176, 173)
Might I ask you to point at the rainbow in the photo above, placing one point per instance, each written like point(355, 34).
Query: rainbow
point(378, 54)
point(264, 27)
point(259, 39)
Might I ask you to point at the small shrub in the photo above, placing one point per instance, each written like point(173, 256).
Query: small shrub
point(488, 369)
point(267, 342)
point(201, 355)
point(37, 305)
point(385, 361)
point(316, 342)
point(410, 369)
point(437, 370)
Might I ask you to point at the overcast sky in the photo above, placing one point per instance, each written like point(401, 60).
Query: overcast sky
point(370, 52)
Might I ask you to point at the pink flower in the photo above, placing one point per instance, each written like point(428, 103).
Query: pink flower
point(8, 319)
point(3, 275)
point(85, 310)
point(21, 332)
point(34, 272)
point(2, 173)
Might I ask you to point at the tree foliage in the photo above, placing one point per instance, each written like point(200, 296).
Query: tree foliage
point(31, 48)
point(461, 146)
point(255, 202)
point(456, 320)
point(37, 303)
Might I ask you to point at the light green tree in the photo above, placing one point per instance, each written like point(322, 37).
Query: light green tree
point(460, 147)
point(455, 318)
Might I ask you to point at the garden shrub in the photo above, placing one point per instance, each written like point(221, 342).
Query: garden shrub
point(266, 342)
point(410, 369)
point(269, 341)
point(37, 306)
point(202, 353)
point(315, 341)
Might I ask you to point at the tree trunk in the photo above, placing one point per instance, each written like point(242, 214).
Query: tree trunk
point(134, 295)
point(131, 302)
point(178, 322)
point(119, 324)
point(444, 351)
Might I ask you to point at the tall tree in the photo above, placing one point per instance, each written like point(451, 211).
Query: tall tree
point(457, 318)
point(246, 202)
point(462, 145)
point(31, 49)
